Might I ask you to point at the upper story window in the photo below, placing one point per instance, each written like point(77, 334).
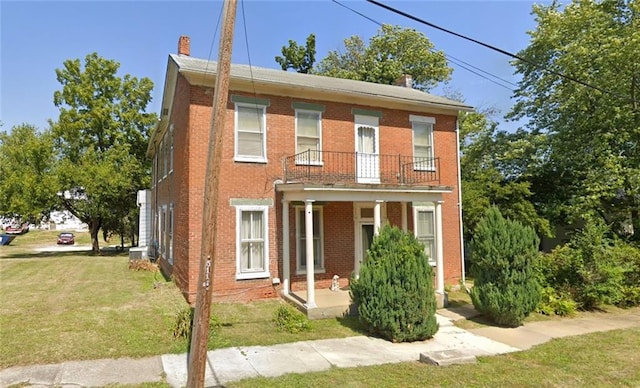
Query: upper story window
point(308, 132)
point(250, 130)
point(171, 148)
point(423, 142)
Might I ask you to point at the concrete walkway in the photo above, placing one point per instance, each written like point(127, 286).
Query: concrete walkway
point(450, 344)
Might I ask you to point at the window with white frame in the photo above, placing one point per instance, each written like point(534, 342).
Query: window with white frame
point(252, 242)
point(250, 130)
point(424, 222)
point(301, 240)
point(423, 142)
point(170, 235)
point(165, 142)
point(308, 137)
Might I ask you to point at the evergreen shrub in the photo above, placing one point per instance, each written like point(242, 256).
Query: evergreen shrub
point(503, 255)
point(394, 292)
point(288, 319)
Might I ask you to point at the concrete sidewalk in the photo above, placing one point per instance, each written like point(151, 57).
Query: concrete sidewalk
point(233, 364)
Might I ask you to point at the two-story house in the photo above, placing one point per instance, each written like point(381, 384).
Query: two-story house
point(312, 168)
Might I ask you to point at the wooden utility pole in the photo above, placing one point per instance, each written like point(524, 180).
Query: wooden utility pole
point(200, 328)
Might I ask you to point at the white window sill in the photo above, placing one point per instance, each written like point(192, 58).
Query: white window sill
point(249, 160)
point(253, 275)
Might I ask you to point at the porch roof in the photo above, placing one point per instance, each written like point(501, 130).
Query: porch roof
point(361, 192)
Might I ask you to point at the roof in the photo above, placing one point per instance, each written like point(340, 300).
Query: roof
point(253, 79)
point(194, 69)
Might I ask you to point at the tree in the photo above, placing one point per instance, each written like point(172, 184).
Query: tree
point(102, 134)
point(503, 254)
point(393, 52)
point(299, 58)
point(394, 293)
point(27, 184)
point(496, 170)
point(592, 126)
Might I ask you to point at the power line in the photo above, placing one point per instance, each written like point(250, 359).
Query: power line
point(494, 48)
point(451, 58)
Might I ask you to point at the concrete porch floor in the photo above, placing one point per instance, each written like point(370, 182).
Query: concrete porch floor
point(331, 304)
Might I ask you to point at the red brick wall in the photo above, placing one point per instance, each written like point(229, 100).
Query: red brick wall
point(256, 180)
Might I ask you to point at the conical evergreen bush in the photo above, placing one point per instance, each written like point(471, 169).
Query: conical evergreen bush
point(503, 254)
point(394, 293)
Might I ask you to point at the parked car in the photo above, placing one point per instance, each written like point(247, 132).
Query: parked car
point(17, 229)
point(66, 239)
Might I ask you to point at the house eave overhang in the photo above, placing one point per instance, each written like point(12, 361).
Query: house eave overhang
point(360, 192)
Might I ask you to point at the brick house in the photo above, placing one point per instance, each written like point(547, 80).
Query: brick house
point(312, 167)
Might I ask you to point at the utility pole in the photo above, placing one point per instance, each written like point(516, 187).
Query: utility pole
point(200, 328)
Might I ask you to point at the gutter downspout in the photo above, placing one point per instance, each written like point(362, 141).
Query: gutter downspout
point(464, 284)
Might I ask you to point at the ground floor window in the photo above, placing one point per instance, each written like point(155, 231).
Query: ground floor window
point(170, 234)
point(252, 245)
point(301, 240)
point(424, 221)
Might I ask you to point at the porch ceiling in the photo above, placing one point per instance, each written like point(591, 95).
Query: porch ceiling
point(361, 192)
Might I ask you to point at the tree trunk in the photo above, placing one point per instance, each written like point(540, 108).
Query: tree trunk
point(94, 227)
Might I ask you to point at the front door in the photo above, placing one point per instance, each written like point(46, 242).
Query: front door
point(367, 152)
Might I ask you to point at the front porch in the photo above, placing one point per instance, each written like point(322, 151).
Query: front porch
point(329, 304)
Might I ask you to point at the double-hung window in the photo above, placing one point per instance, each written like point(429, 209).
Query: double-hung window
point(170, 234)
point(252, 243)
point(301, 241)
point(424, 221)
point(250, 130)
point(308, 137)
point(423, 142)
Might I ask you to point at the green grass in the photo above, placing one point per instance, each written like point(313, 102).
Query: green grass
point(60, 306)
point(566, 362)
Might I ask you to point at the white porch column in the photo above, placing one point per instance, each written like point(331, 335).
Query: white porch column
point(376, 218)
point(308, 226)
point(286, 263)
point(403, 207)
point(439, 249)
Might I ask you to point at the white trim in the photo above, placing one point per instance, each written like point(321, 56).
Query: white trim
point(264, 273)
point(432, 209)
point(171, 233)
point(263, 128)
point(171, 142)
point(371, 161)
point(319, 136)
point(298, 210)
point(427, 165)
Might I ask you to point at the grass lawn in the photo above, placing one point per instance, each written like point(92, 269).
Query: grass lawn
point(60, 306)
point(566, 362)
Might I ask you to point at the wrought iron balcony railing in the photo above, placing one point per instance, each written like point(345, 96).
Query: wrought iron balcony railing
point(353, 167)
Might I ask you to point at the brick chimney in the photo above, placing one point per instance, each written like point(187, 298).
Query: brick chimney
point(406, 81)
point(184, 45)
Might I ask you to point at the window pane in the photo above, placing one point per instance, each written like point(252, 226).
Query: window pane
point(308, 124)
point(250, 144)
point(425, 224)
point(366, 140)
point(422, 134)
point(250, 118)
point(252, 254)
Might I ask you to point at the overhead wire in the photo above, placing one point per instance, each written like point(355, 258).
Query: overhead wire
point(451, 58)
point(497, 49)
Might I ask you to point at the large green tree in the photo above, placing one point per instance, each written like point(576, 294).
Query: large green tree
point(592, 114)
point(28, 185)
point(102, 134)
point(496, 170)
point(393, 52)
point(299, 58)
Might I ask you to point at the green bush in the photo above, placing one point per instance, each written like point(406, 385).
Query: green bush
point(288, 319)
point(503, 255)
point(594, 268)
point(183, 321)
point(394, 293)
point(554, 303)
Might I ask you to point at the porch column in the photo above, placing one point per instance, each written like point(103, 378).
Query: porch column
point(403, 208)
point(286, 263)
point(308, 228)
point(376, 218)
point(439, 249)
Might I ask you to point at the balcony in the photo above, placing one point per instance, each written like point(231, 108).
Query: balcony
point(351, 167)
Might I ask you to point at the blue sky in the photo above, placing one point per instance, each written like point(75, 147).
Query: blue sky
point(37, 37)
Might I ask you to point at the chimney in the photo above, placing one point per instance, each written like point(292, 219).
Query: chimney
point(184, 45)
point(405, 81)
